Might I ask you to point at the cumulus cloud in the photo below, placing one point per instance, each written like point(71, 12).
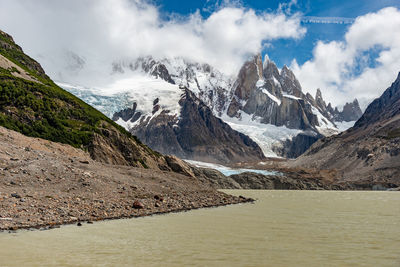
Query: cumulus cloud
point(78, 40)
point(363, 65)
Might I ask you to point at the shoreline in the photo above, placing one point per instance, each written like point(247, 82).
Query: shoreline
point(45, 184)
point(49, 226)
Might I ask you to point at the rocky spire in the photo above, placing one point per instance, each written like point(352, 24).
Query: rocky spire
point(319, 100)
point(289, 82)
point(270, 70)
point(249, 75)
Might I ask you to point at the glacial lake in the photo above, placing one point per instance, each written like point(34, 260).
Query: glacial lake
point(282, 228)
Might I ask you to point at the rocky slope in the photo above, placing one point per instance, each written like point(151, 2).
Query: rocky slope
point(370, 151)
point(44, 184)
point(32, 104)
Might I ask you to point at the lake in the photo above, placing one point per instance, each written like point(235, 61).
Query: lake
point(282, 228)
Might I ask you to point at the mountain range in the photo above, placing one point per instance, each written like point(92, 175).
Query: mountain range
point(263, 107)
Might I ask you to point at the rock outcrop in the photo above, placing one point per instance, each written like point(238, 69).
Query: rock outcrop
point(196, 134)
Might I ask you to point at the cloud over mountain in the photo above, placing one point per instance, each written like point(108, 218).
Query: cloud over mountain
point(81, 38)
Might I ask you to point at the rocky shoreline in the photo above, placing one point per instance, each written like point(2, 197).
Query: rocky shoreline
point(45, 184)
point(137, 209)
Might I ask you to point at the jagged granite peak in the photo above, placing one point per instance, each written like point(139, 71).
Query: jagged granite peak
point(270, 70)
point(248, 76)
point(275, 97)
point(289, 82)
point(351, 111)
point(319, 100)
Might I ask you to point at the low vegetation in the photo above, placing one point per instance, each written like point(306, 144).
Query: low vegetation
point(42, 109)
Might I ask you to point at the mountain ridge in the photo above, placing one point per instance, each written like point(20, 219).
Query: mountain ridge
point(369, 151)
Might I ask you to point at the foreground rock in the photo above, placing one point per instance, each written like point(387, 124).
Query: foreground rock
point(45, 184)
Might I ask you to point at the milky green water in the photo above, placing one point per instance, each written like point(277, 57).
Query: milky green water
point(283, 228)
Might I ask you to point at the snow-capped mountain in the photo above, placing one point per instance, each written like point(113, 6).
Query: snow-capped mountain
point(170, 118)
point(173, 105)
point(207, 83)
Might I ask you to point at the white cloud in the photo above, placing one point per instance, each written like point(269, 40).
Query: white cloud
point(102, 31)
point(341, 69)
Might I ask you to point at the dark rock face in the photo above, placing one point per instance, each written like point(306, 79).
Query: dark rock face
point(248, 76)
point(370, 151)
point(384, 107)
point(298, 145)
point(351, 111)
point(127, 114)
point(197, 135)
point(289, 82)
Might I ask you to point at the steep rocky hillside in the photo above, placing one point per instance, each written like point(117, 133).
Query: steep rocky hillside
point(32, 104)
point(197, 134)
point(44, 184)
point(370, 151)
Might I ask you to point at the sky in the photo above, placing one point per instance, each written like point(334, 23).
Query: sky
point(348, 49)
